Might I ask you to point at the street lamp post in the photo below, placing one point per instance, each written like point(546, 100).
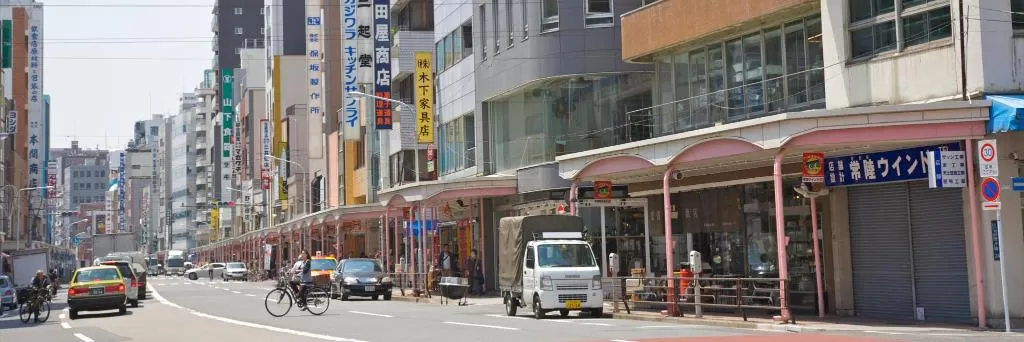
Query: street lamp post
point(401, 106)
point(17, 235)
point(70, 228)
point(306, 193)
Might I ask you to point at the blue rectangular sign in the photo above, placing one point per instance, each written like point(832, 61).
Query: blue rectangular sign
point(995, 240)
point(1017, 183)
point(881, 167)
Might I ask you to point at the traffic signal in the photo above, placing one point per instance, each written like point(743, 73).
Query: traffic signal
point(68, 213)
point(226, 204)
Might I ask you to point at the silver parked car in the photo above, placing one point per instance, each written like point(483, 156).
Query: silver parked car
point(7, 294)
point(204, 271)
point(234, 270)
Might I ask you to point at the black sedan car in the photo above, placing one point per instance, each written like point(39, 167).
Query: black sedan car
point(362, 278)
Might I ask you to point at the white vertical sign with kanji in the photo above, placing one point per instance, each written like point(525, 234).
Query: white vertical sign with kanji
point(988, 159)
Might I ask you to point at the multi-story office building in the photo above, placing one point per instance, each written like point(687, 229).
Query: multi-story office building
point(237, 24)
point(82, 177)
point(412, 24)
point(182, 174)
point(205, 136)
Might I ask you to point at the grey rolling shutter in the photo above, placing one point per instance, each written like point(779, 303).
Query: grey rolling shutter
point(880, 252)
point(940, 255)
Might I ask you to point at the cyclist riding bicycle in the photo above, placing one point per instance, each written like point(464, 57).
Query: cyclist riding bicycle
point(302, 278)
point(39, 288)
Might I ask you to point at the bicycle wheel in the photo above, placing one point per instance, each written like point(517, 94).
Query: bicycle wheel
point(317, 301)
point(44, 311)
point(24, 313)
point(279, 299)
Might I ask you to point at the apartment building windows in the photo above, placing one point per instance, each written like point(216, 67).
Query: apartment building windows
point(761, 73)
point(1017, 7)
point(497, 26)
point(524, 7)
point(483, 32)
point(454, 47)
point(510, 23)
point(456, 144)
point(549, 16)
point(238, 11)
point(239, 31)
point(599, 13)
point(873, 25)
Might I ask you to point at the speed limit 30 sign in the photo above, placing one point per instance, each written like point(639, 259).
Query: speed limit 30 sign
point(988, 160)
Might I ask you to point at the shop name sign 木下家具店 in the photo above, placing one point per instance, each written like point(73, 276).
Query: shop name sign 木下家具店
point(881, 167)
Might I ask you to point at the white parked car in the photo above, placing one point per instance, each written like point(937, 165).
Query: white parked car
point(234, 270)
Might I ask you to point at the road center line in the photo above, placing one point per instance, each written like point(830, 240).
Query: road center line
point(83, 337)
point(162, 300)
point(481, 325)
point(371, 314)
point(65, 325)
point(236, 292)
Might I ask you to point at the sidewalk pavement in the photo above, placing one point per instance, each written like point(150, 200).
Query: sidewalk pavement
point(836, 324)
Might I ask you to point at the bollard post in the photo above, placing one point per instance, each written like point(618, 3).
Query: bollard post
point(697, 311)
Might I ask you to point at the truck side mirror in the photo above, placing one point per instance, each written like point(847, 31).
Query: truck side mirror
point(531, 261)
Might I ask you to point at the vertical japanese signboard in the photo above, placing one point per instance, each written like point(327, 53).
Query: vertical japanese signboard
point(121, 223)
point(36, 175)
point(364, 43)
point(227, 128)
point(314, 57)
point(424, 98)
point(237, 153)
point(265, 152)
point(6, 54)
point(382, 62)
point(349, 106)
point(214, 224)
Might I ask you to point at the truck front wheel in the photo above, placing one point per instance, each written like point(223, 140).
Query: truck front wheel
point(538, 311)
point(511, 305)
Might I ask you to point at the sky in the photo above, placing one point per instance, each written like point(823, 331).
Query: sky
point(109, 63)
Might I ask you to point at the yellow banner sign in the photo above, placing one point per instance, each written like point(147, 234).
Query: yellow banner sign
point(424, 98)
point(214, 224)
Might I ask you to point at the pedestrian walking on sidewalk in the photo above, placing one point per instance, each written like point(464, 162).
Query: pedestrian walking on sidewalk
point(476, 274)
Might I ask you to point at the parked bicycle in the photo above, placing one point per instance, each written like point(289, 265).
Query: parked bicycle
point(35, 306)
point(317, 300)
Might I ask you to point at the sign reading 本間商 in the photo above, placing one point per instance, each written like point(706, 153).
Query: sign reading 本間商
point(37, 136)
point(382, 62)
point(881, 167)
point(314, 57)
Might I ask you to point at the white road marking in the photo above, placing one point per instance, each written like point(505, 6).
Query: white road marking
point(622, 341)
point(597, 324)
point(172, 284)
point(250, 295)
point(558, 320)
point(371, 314)
point(481, 325)
point(657, 326)
point(914, 333)
point(226, 289)
point(61, 316)
point(83, 338)
point(504, 316)
point(65, 325)
point(164, 301)
point(236, 292)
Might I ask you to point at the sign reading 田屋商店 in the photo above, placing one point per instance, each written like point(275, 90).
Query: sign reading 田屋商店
point(382, 62)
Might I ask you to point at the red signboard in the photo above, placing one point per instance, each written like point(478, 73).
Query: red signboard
point(812, 167)
point(602, 190)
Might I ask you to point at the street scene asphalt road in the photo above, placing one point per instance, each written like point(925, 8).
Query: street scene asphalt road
point(183, 310)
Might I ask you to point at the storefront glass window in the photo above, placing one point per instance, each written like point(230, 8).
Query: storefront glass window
point(734, 230)
point(776, 69)
point(568, 115)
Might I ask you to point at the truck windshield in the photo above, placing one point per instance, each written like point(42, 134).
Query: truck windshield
point(568, 255)
point(175, 262)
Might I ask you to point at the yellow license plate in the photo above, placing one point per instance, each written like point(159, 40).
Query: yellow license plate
point(573, 304)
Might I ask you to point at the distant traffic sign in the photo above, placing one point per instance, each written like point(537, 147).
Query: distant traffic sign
point(990, 189)
point(1017, 183)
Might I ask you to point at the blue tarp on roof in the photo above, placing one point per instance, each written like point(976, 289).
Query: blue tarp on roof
point(1006, 114)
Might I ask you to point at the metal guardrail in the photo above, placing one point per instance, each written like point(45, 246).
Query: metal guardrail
point(696, 293)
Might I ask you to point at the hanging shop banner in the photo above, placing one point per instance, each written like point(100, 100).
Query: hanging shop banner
point(424, 98)
point(122, 225)
point(36, 175)
point(265, 151)
point(382, 62)
point(109, 206)
point(282, 179)
point(881, 167)
point(7, 40)
point(214, 224)
point(314, 57)
point(812, 168)
point(349, 117)
point(237, 153)
point(364, 41)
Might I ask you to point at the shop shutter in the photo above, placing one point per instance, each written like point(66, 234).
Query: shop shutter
point(940, 255)
point(880, 252)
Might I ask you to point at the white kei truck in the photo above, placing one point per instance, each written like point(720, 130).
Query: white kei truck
point(545, 264)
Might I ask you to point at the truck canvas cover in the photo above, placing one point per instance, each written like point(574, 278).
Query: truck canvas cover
point(513, 234)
